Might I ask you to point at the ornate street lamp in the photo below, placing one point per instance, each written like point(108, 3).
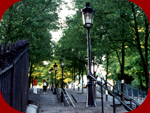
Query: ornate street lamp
point(55, 67)
point(87, 16)
point(62, 85)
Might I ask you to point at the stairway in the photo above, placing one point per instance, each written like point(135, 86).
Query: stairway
point(80, 110)
point(48, 102)
point(79, 100)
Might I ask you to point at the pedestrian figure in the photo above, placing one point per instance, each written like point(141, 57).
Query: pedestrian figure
point(35, 85)
point(47, 84)
point(44, 87)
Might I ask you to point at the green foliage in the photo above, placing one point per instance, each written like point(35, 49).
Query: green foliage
point(32, 20)
point(118, 26)
point(114, 24)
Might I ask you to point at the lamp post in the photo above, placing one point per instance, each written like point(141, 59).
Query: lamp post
point(94, 73)
point(62, 84)
point(49, 78)
point(55, 67)
point(87, 16)
point(51, 71)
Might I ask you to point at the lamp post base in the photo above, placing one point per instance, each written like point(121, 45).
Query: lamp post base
point(62, 96)
point(90, 95)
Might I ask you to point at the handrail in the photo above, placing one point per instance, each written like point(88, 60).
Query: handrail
point(102, 85)
point(70, 99)
point(121, 93)
point(65, 93)
point(114, 95)
point(128, 86)
point(7, 68)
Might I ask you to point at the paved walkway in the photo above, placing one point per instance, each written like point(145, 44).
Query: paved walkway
point(79, 100)
point(49, 103)
point(45, 102)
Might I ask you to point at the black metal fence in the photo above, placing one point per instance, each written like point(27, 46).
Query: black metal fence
point(131, 91)
point(14, 64)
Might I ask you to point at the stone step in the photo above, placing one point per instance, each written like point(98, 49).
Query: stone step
point(47, 106)
point(80, 104)
point(79, 110)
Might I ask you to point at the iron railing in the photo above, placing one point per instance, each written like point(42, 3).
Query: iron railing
point(14, 64)
point(63, 96)
point(67, 100)
point(116, 95)
point(131, 91)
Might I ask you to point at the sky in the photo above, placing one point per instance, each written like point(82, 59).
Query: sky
point(63, 14)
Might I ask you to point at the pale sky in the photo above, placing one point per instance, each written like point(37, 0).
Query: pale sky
point(63, 14)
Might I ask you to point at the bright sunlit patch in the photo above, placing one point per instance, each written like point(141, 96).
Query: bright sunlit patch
point(45, 62)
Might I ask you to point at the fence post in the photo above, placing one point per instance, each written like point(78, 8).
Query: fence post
point(138, 96)
point(114, 107)
point(1, 52)
point(10, 47)
point(22, 82)
point(5, 51)
point(12, 86)
point(1, 58)
point(127, 89)
point(131, 103)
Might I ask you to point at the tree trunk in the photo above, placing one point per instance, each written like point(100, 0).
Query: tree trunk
point(107, 76)
point(146, 54)
point(79, 80)
point(122, 70)
point(144, 61)
point(74, 80)
point(107, 68)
